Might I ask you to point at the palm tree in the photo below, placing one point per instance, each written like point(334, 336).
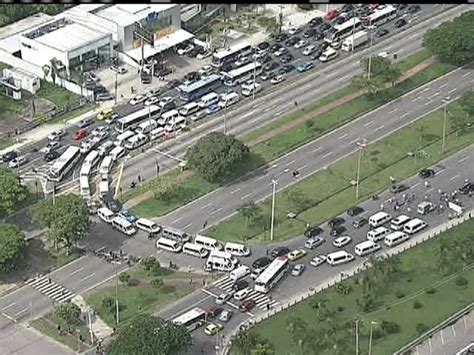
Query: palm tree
point(81, 81)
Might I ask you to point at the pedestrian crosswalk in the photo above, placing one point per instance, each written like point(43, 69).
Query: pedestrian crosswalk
point(51, 289)
point(262, 300)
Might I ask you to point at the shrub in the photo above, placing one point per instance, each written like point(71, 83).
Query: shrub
point(431, 291)
point(340, 308)
point(461, 281)
point(108, 303)
point(305, 7)
point(157, 282)
point(68, 312)
point(133, 282)
point(399, 294)
point(421, 328)
point(417, 304)
point(124, 277)
point(149, 263)
point(390, 327)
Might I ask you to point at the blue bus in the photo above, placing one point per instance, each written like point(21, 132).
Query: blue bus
point(200, 88)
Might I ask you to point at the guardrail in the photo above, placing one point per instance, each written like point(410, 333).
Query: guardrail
point(362, 265)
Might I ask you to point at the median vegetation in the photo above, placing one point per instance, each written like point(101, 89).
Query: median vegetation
point(399, 298)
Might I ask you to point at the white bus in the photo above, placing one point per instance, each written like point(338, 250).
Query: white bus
point(133, 120)
point(343, 30)
point(272, 274)
point(64, 163)
point(85, 170)
point(195, 250)
point(192, 319)
point(230, 55)
point(123, 226)
point(242, 74)
point(105, 166)
point(92, 158)
point(199, 88)
point(354, 41)
point(84, 188)
point(122, 138)
point(379, 17)
point(414, 226)
point(168, 244)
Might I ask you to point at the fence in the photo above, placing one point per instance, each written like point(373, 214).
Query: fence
point(362, 265)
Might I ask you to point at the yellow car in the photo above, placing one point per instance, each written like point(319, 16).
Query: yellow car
point(213, 328)
point(296, 254)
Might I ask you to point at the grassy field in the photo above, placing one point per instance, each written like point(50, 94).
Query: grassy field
point(48, 326)
point(330, 192)
point(294, 138)
point(417, 294)
point(143, 297)
point(56, 94)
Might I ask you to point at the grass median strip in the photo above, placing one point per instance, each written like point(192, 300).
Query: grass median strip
point(329, 192)
point(292, 138)
point(420, 291)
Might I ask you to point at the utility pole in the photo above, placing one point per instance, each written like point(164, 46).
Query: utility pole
point(225, 113)
point(116, 297)
point(254, 77)
point(370, 336)
point(274, 183)
point(91, 333)
point(357, 336)
point(353, 33)
point(281, 19)
point(370, 50)
point(116, 84)
point(54, 193)
point(362, 144)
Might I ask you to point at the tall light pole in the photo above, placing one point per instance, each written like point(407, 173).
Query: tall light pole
point(362, 144)
point(353, 33)
point(225, 112)
point(274, 183)
point(254, 77)
point(446, 102)
point(116, 84)
point(370, 336)
point(370, 50)
point(357, 336)
point(116, 296)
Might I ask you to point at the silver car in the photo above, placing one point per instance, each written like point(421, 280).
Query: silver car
point(297, 270)
point(223, 298)
point(225, 315)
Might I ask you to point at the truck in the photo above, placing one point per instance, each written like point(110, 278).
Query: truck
point(354, 41)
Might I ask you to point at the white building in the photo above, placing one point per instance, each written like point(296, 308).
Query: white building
point(23, 79)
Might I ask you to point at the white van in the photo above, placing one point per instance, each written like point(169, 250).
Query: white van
point(248, 90)
point(104, 187)
point(377, 234)
point(395, 238)
point(189, 109)
point(105, 147)
point(176, 123)
point(366, 248)
point(328, 55)
point(106, 166)
point(167, 117)
point(237, 249)
point(117, 152)
point(414, 226)
point(239, 273)
point(146, 127)
point(123, 226)
point(136, 141)
point(157, 133)
point(176, 234)
point(122, 138)
point(168, 244)
point(339, 257)
point(378, 219)
point(195, 250)
point(397, 223)
point(228, 99)
point(105, 214)
point(425, 207)
point(208, 100)
point(208, 243)
point(147, 225)
point(220, 261)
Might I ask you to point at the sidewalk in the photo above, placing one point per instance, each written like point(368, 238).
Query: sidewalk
point(99, 328)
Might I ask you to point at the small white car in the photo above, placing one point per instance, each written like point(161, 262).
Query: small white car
point(277, 79)
point(341, 241)
point(318, 260)
point(223, 298)
point(118, 70)
point(293, 30)
point(205, 70)
point(309, 49)
point(185, 50)
point(52, 145)
point(99, 130)
point(17, 162)
point(152, 101)
point(165, 101)
point(301, 43)
point(297, 270)
point(240, 295)
point(56, 134)
point(137, 100)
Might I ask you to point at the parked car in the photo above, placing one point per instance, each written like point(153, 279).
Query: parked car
point(82, 133)
point(270, 66)
point(214, 311)
point(57, 134)
point(279, 251)
point(297, 270)
point(354, 211)
point(334, 222)
point(48, 157)
point(185, 49)
point(242, 294)
point(413, 8)
point(213, 109)
point(277, 79)
point(313, 232)
point(198, 115)
point(104, 97)
point(308, 50)
point(91, 76)
point(396, 188)
point(286, 58)
point(286, 69)
point(225, 315)
point(18, 161)
point(152, 101)
point(261, 262)
point(318, 260)
point(294, 30)
point(359, 223)
point(112, 204)
point(281, 37)
point(316, 21)
point(247, 305)
point(331, 15)
point(341, 241)
point(337, 231)
point(117, 69)
point(85, 122)
point(310, 33)
point(468, 187)
point(282, 51)
point(301, 43)
point(292, 41)
point(137, 100)
point(275, 47)
point(263, 45)
point(9, 156)
point(129, 216)
point(426, 173)
point(213, 328)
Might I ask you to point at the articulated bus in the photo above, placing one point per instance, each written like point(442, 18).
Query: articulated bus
point(132, 121)
point(231, 55)
point(64, 163)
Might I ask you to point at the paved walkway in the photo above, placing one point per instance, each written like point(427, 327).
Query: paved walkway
point(100, 329)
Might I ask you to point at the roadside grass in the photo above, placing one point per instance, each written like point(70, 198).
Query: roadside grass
point(56, 94)
point(69, 336)
point(73, 114)
point(329, 192)
point(142, 298)
point(419, 273)
point(10, 107)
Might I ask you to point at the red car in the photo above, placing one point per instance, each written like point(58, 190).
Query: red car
point(80, 134)
point(247, 305)
point(374, 6)
point(214, 311)
point(331, 15)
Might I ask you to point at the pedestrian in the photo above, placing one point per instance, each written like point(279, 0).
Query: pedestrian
point(131, 90)
point(392, 179)
point(139, 178)
point(427, 184)
point(267, 251)
point(203, 282)
point(381, 207)
point(439, 191)
point(268, 306)
point(202, 350)
point(49, 280)
point(204, 224)
point(296, 103)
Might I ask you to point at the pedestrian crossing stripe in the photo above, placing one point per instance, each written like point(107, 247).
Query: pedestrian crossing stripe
point(51, 289)
point(261, 300)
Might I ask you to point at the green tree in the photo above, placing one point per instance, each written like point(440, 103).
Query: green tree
point(68, 312)
point(12, 247)
point(263, 348)
point(381, 72)
point(12, 193)
point(467, 103)
point(452, 41)
point(67, 219)
point(249, 211)
point(124, 277)
point(81, 81)
point(149, 335)
point(216, 155)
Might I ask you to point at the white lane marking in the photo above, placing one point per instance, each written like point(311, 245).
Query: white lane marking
point(368, 123)
point(415, 185)
point(428, 102)
point(440, 172)
point(442, 86)
point(236, 190)
point(344, 77)
point(22, 311)
point(392, 111)
point(206, 205)
point(416, 99)
point(76, 271)
point(88, 277)
point(208, 292)
point(267, 109)
point(177, 220)
point(463, 159)
point(379, 128)
point(245, 196)
point(327, 154)
point(8, 306)
point(452, 90)
point(261, 177)
point(216, 211)
point(302, 167)
point(289, 163)
point(248, 114)
point(454, 177)
point(426, 89)
point(404, 115)
point(354, 140)
point(466, 74)
point(343, 136)
point(316, 150)
point(187, 226)
point(435, 94)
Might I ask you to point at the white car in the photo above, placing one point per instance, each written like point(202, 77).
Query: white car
point(309, 49)
point(165, 101)
point(118, 70)
point(293, 30)
point(205, 70)
point(238, 296)
point(280, 52)
point(52, 145)
point(318, 260)
point(152, 92)
point(17, 162)
point(152, 101)
point(341, 241)
point(185, 50)
point(198, 115)
point(99, 130)
point(277, 79)
point(137, 100)
point(301, 43)
point(204, 55)
point(56, 134)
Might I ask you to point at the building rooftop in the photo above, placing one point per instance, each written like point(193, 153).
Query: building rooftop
point(24, 25)
point(125, 15)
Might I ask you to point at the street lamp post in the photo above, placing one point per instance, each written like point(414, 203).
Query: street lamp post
point(446, 102)
point(362, 144)
point(254, 77)
point(116, 84)
point(116, 297)
point(370, 50)
point(274, 183)
point(370, 336)
point(357, 336)
point(225, 113)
